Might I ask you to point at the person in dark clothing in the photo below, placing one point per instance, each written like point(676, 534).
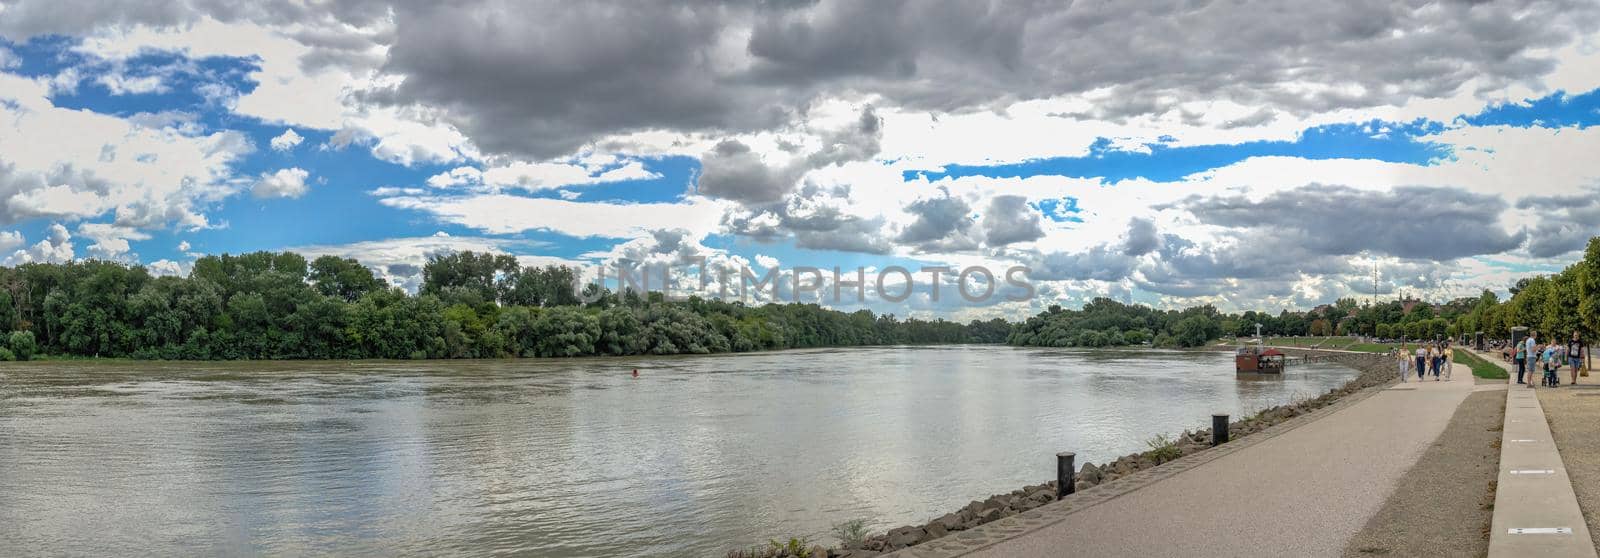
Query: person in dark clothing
point(1522, 362)
point(1575, 353)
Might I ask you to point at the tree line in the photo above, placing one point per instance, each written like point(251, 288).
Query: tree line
point(267, 305)
point(1552, 304)
point(1563, 302)
point(1104, 322)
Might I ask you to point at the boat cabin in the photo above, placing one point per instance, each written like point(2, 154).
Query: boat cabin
point(1258, 361)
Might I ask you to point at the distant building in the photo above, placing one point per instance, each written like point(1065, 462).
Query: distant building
point(1408, 304)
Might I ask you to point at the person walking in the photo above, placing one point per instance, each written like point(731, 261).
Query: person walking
point(1437, 357)
point(1422, 361)
point(1403, 356)
point(1449, 361)
point(1522, 361)
point(1530, 348)
point(1575, 352)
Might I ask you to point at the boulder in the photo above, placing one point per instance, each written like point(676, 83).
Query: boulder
point(1042, 496)
point(935, 530)
point(857, 553)
point(1090, 473)
point(950, 521)
point(905, 536)
point(988, 515)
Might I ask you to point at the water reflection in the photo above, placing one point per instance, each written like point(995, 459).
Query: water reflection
point(573, 457)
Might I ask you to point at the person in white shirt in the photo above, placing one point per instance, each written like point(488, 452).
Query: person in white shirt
point(1531, 346)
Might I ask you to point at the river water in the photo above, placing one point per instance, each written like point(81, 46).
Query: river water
point(694, 457)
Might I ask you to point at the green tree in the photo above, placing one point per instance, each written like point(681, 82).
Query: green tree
point(343, 278)
point(22, 345)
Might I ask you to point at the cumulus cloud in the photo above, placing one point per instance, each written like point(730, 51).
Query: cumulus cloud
point(70, 164)
point(287, 140)
point(169, 268)
point(1009, 219)
point(1437, 223)
point(506, 214)
point(111, 241)
point(1562, 223)
point(399, 261)
point(735, 171)
point(593, 70)
point(1141, 238)
point(55, 248)
point(544, 176)
point(942, 224)
point(284, 183)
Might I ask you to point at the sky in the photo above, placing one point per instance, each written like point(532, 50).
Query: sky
point(1170, 153)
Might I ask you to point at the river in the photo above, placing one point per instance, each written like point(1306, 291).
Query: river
point(698, 455)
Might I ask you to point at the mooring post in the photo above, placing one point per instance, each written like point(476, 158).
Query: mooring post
point(1219, 429)
point(1064, 474)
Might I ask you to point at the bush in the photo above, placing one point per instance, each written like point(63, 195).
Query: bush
point(6, 356)
point(22, 345)
point(1163, 449)
point(850, 533)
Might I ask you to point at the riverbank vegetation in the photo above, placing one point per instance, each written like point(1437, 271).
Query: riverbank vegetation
point(1107, 323)
point(1561, 303)
point(267, 305)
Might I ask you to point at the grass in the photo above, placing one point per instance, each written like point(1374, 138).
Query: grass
point(851, 532)
point(1162, 449)
point(1337, 342)
point(1481, 368)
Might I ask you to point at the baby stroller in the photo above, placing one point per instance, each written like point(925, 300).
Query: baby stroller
point(1550, 368)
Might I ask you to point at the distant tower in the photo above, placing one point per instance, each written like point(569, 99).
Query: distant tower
point(1374, 281)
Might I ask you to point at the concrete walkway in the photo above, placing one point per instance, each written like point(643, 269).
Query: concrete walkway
point(1303, 492)
point(1536, 512)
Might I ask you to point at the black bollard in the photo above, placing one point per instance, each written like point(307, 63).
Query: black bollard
point(1219, 429)
point(1064, 474)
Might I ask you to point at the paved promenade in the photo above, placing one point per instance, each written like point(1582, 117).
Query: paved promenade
point(1536, 512)
point(1302, 492)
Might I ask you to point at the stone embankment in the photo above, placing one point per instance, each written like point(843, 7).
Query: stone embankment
point(1374, 370)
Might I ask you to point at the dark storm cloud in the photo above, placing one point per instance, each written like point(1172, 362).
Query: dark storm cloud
point(1101, 263)
point(594, 69)
point(30, 18)
point(1141, 238)
point(1410, 222)
point(851, 235)
point(1009, 219)
point(542, 78)
point(938, 219)
point(1564, 223)
point(813, 215)
point(732, 171)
